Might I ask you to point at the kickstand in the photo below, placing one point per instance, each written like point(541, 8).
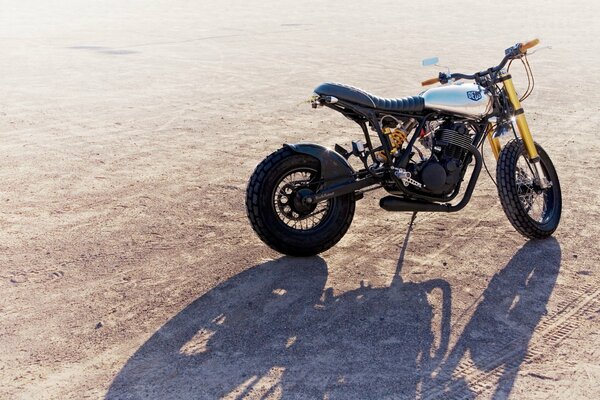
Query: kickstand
point(412, 220)
point(397, 278)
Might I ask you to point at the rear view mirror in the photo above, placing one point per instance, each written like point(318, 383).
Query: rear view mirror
point(430, 61)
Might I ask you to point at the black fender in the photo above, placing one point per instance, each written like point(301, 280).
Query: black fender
point(335, 170)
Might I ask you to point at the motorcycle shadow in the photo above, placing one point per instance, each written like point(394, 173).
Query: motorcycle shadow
point(498, 334)
point(275, 330)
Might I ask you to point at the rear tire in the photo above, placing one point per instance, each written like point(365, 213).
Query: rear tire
point(276, 215)
point(532, 211)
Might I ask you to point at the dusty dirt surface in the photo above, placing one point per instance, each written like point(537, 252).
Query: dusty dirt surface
point(129, 270)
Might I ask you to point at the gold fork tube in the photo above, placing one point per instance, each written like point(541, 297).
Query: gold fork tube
point(520, 117)
point(494, 142)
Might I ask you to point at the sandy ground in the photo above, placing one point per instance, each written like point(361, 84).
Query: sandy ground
point(128, 269)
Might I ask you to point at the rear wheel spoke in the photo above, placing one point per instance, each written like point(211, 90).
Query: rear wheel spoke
point(287, 204)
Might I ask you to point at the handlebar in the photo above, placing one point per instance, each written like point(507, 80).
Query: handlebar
point(516, 51)
point(430, 81)
point(523, 47)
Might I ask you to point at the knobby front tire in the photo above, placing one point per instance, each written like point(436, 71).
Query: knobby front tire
point(532, 211)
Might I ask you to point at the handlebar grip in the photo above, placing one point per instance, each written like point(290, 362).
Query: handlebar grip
point(430, 81)
point(523, 47)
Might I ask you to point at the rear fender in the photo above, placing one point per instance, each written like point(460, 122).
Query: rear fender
point(335, 170)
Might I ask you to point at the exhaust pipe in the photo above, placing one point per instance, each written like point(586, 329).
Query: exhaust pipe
point(393, 203)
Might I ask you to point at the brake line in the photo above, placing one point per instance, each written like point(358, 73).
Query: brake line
point(530, 79)
point(485, 165)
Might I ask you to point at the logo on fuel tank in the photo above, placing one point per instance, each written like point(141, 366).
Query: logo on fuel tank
point(473, 95)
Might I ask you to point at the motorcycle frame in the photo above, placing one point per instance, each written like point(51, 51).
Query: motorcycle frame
point(365, 178)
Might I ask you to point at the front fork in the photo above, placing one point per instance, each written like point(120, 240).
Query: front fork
point(524, 132)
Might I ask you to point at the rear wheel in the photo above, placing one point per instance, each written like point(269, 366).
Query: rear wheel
point(534, 212)
point(278, 211)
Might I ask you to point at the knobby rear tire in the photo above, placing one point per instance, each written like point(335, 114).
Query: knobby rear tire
point(271, 229)
point(508, 190)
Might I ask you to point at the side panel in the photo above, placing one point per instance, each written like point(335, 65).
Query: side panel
point(334, 168)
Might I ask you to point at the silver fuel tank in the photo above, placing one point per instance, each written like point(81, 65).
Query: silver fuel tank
point(468, 99)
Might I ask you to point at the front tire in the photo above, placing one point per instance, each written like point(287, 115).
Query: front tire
point(281, 220)
point(532, 211)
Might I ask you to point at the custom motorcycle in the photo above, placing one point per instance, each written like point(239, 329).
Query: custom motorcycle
point(301, 199)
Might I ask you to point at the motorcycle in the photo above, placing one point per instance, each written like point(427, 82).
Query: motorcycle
point(300, 200)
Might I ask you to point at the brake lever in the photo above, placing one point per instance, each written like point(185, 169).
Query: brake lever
point(540, 49)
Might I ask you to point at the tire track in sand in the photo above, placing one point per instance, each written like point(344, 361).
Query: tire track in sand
point(573, 310)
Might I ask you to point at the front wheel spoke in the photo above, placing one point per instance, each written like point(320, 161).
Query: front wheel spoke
point(528, 199)
point(528, 208)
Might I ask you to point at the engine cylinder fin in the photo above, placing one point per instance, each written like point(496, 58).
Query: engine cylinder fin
point(448, 136)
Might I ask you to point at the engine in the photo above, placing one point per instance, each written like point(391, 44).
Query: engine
point(443, 170)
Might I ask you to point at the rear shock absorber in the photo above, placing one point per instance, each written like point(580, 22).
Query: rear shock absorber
point(396, 137)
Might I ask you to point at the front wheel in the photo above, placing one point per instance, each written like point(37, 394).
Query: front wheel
point(280, 217)
point(534, 212)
